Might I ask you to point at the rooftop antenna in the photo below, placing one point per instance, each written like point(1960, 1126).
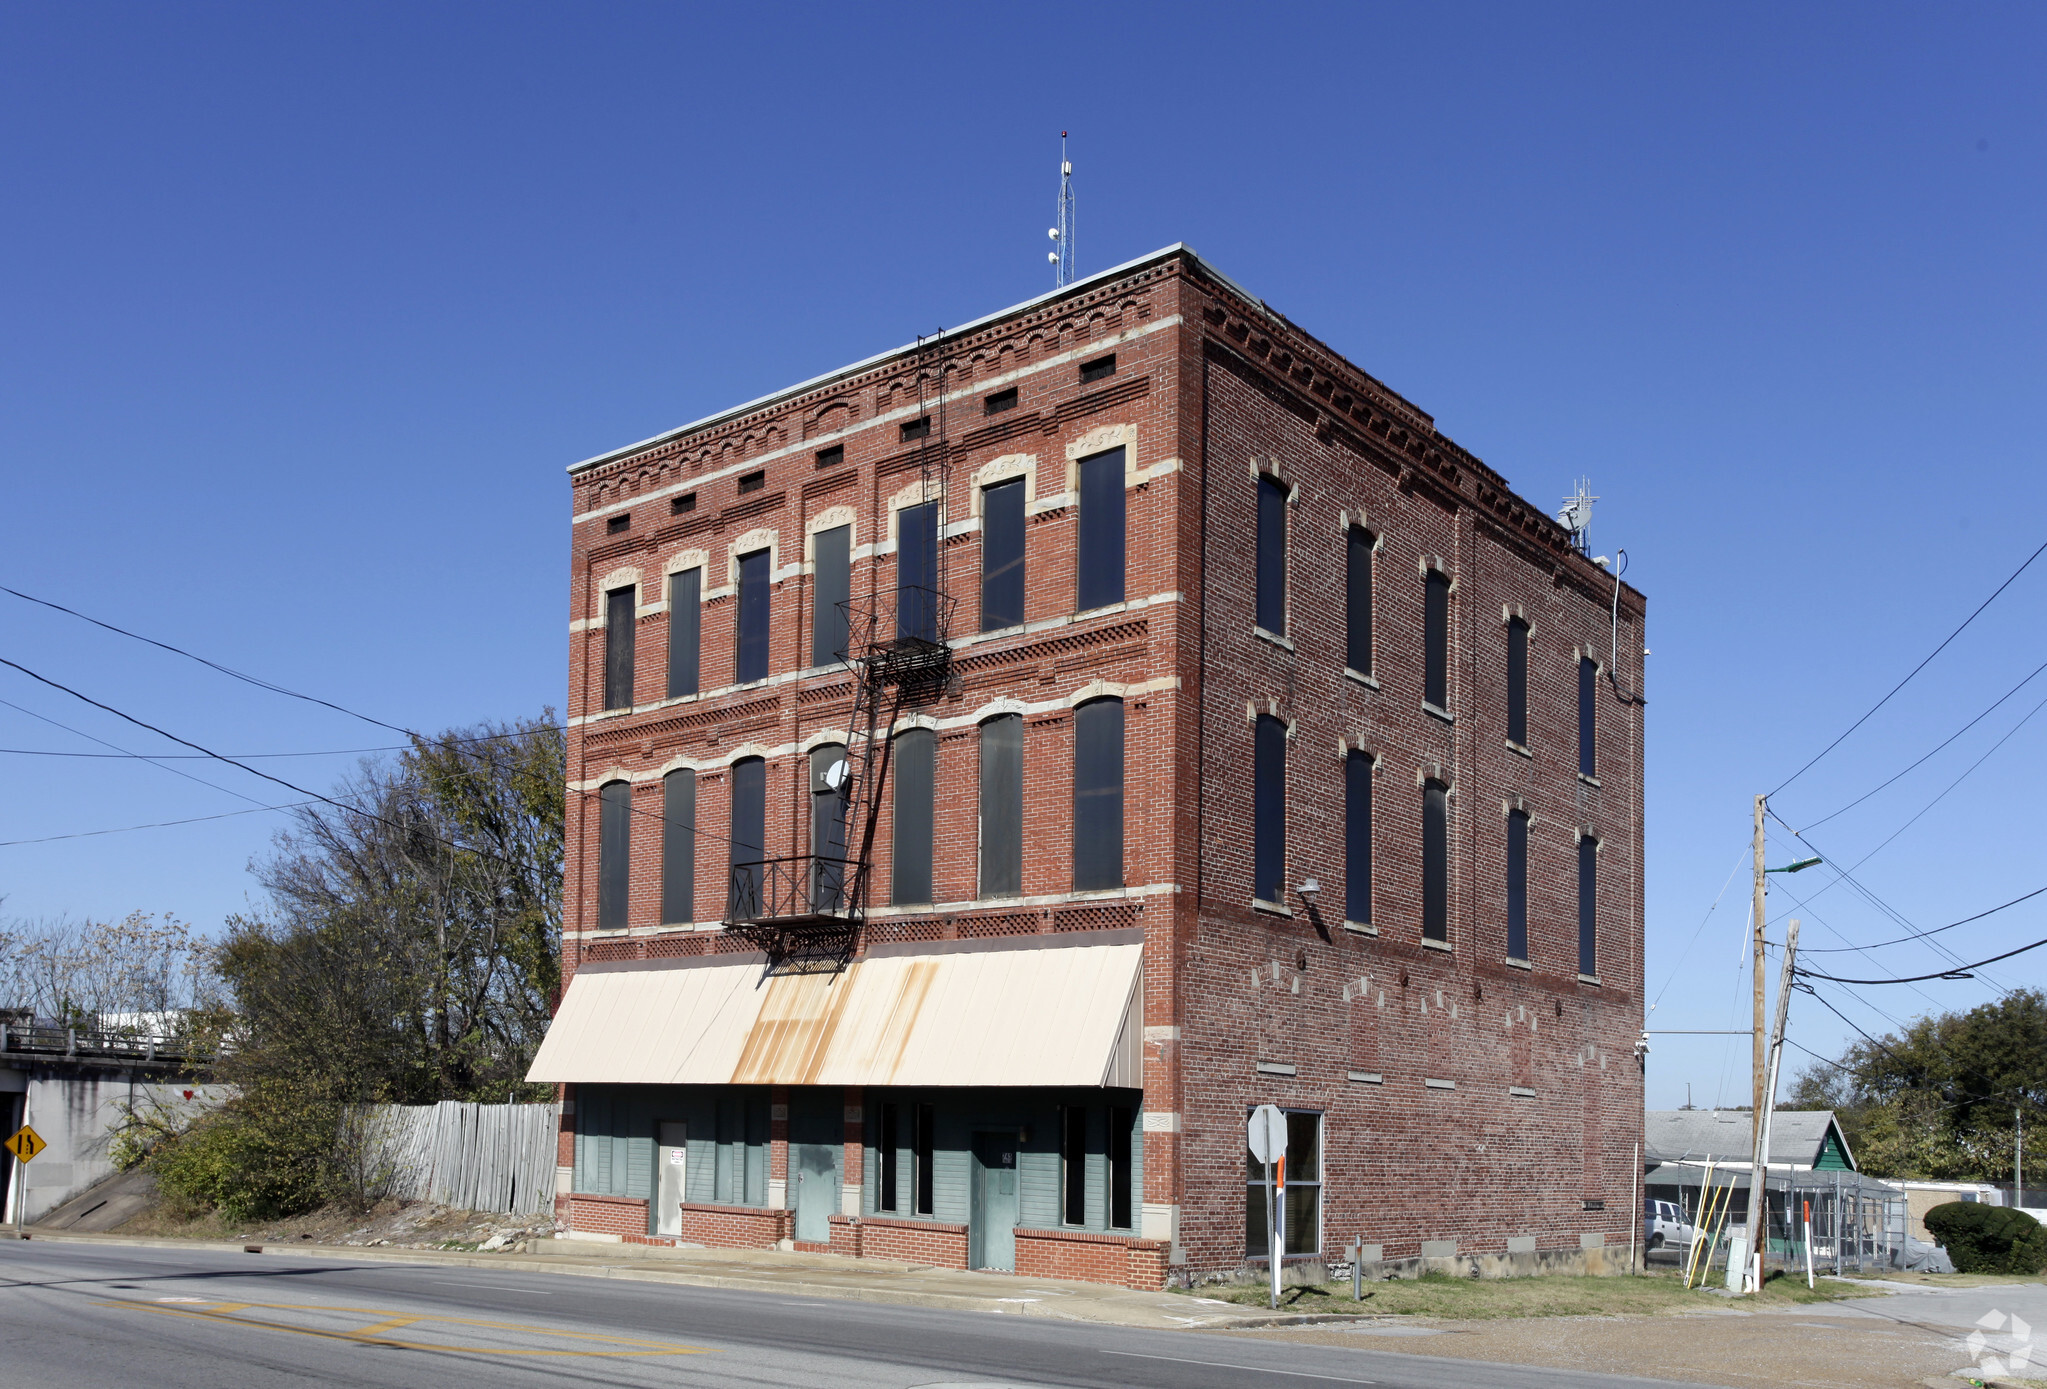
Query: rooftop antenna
point(1576, 517)
point(1061, 254)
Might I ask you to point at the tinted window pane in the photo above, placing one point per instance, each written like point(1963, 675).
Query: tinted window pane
point(1098, 794)
point(914, 772)
point(1588, 686)
point(1002, 555)
point(1517, 886)
point(832, 586)
point(751, 658)
point(749, 833)
point(618, 648)
point(1358, 598)
point(1121, 1183)
point(888, 1141)
point(1269, 809)
point(1517, 681)
point(1357, 845)
point(917, 572)
point(1588, 906)
point(614, 840)
point(679, 846)
point(1436, 686)
point(1073, 1164)
point(1271, 555)
point(1002, 806)
point(927, 1123)
point(685, 631)
point(1101, 531)
point(1436, 862)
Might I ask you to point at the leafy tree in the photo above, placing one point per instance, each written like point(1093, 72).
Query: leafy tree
point(1940, 1100)
point(408, 954)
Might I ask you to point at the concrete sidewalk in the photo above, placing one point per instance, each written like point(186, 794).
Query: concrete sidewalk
point(789, 1274)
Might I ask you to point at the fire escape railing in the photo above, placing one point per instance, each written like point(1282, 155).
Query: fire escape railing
point(808, 908)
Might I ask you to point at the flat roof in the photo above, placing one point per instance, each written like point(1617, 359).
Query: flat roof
point(1178, 248)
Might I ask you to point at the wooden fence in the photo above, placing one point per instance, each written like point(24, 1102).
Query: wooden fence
point(477, 1157)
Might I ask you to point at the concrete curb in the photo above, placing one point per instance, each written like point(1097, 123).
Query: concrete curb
point(1210, 1319)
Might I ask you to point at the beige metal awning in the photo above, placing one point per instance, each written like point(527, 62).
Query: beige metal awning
point(980, 1013)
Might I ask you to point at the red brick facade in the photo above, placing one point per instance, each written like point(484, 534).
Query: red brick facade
point(1526, 1130)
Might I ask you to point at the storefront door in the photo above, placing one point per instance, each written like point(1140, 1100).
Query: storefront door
point(670, 1159)
point(991, 1233)
point(817, 1190)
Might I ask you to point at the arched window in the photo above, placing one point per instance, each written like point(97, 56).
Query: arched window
point(1588, 906)
point(914, 772)
point(619, 616)
point(614, 849)
point(1268, 809)
point(1436, 862)
point(1100, 579)
point(1357, 838)
point(831, 587)
point(749, 835)
point(1358, 599)
point(828, 775)
point(1436, 640)
point(679, 846)
point(1098, 795)
point(1002, 806)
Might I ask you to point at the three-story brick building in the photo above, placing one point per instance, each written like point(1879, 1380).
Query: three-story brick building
point(1269, 749)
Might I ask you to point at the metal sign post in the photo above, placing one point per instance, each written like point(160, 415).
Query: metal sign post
point(25, 1144)
point(1267, 1139)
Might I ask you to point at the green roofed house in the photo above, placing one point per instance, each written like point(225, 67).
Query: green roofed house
point(1801, 1140)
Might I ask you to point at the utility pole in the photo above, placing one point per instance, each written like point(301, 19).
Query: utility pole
point(1758, 1190)
point(1756, 969)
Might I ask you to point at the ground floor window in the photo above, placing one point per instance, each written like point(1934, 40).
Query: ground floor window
point(1303, 1201)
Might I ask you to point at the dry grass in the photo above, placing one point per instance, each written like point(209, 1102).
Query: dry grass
point(408, 1225)
point(1475, 1299)
point(1948, 1280)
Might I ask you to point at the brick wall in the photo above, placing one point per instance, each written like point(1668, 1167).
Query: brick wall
point(1208, 388)
point(905, 1241)
point(1091, 1258)
point(606, 1215)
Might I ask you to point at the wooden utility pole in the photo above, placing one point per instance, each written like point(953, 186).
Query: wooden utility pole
point(1759, 1177)
point(1756, 969)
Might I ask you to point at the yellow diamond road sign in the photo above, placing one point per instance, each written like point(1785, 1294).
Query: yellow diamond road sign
point(25, 1144)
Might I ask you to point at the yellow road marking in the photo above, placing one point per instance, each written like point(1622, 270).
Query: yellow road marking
point(218, 1313)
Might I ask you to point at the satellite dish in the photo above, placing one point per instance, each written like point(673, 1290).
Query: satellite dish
point(835, 775)
point(1052, 232)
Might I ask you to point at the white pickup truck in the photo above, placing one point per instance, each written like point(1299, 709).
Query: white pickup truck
point(1662, 1224)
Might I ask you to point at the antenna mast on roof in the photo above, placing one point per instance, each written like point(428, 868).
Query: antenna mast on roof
point(1061, 254)
point(1576, 517)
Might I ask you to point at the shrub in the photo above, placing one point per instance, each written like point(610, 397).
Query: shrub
point(1989, 1239)
point(268, 1152)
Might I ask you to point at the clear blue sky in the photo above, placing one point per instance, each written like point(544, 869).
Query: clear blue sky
point(307, 308)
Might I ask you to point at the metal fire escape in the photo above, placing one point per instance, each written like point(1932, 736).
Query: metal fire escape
point(805, 911)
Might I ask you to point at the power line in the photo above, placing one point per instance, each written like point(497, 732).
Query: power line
point(252, 771)
point(1919, 978)
point(1914, 671)
point(189, 756)
point(1943, 743)
point(174, 771)
point(230, 671)
point(1902, 940)
point(157, 825)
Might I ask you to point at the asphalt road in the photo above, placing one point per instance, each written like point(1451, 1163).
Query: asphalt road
point(74, 1315)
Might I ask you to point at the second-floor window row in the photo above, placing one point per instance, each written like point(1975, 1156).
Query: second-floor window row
point(1092, 822)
